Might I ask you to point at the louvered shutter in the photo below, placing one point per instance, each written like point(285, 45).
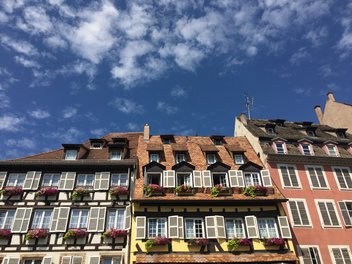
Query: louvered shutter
point(206, 178)
point(332, 212)
point(266, 178)
point(345, 214)
point(233, 178)
point(97, 180)
point(10, 260)
point(220, 226)
point(180, 227)
point(295, 213)
point(28, 182)
point(59, 219)
point(2, 178)
point(94, 260)
point(240, 178)
point(117, 260)
point(303, 212)
point(67, 181)
point(105, 181)
point(21, 220)
point(127, 223)
point(284, 227)
point(77, 260)
point(197, 179)
point(46, 260)
point(66, 260)
point(96, 219)
point(5, 260)
point(252, 227)
point(169, 178)
point(140, 227)
point(37, 176)
point(173, 226)
point(210, 224)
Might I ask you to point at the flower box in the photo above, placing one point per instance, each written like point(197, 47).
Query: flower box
point(12, 191)
point(46, 191)
point(235, 243)
point(36, 233)
point(220, 190)
point(198, 242)
point(256, 190)
point(157, 241)
point(152, 190)
point(5, 233)
point(80, 192)
point(75, 235)
point(274, 241)
point(119, 191)
point(115, 233)
point(184, 190)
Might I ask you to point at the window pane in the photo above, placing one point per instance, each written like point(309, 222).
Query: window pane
point(230, 231)
point(151, 227)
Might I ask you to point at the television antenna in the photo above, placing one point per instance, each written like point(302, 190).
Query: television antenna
point(249, 104)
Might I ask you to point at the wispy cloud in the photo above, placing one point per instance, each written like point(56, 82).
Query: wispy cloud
point(11, 122)
point(39, 114)
point(126, 106)
point(70, 135)
point(25, 143)
point(27, 62)
point(69, 112)
point(132, 127)
point(99, 132)
point(299, 56)
point(168, 109)
point(19, 46)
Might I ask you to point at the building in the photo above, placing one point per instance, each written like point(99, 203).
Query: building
point(311, 165)
point(338, 115)
point(206, 200)
point(71, 205)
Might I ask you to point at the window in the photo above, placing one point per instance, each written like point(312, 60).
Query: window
point(96, 145)
point(311, 133)
point(235, 228)
point(16, 179)
point(51, 180)
point(79, 218)
point(239, 159)
point(116, 219)
point(327, 213)
point(252, 178)
point(217, 141)
point(346, 211)
point(6, 219)
point(184, 179)
point(154, 178)
point(85, 180)
point(317, 178)
point(194, 228)
point(180, 157)
point(299, 212)
point(41, 219)
point(154, 157)
point(343, 177)
point(156, 227)
point(341, 134)
point(166, 141)
point(71, 154)
point(289, 178)
point(267, 228)
point(220, 178)
point(270, 130)
point(32, 261)
point(111, 260)
point(280, 148)
point(306, 149)
point(115, 154)
point(309, 255)
point(340, 254)
point(332, 150)
point(211, 158)
point(119, 179)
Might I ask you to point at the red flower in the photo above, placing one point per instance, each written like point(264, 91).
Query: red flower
point(12, 190)
point(119, 190)
point(114, 233)
point(5, 233)
point(37, 233)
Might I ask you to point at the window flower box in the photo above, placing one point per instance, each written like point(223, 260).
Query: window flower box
point(235, 243)
point(119, 191)
point(275, 241)
point(220, 190)
point(36, 233)
point(256, 190)
point(5, 236)
point(152, 190)
point(80, 192)
point(198, 242)
point(157, 241)
point(77, 236)
point(46, 191)
point(184, 190)
point(115, 233)
point(11, 191)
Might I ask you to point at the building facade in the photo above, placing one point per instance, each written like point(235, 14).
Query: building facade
point(69, 206)
point(206, 200)
point(311, 165)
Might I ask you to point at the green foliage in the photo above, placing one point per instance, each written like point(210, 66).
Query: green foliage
point(250, 191)
point(233, 244)
point(149, 243)
point(215, 191)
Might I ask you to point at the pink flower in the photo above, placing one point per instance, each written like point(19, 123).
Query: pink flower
point(114, 233)
point(5, 233)
point(37, 233)
point(119, 190)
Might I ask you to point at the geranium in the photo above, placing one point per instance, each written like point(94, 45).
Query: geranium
point(184, 188)
point(275, 241)
point(49, 191)
point(79, 192)
point(118, 190)
point(151, 189)
point(75, 233)
point(198, 242)
point(217, 189)
point(157, 241)
point(114, 233)
point(5, 233)
point(11, 190)
point(253, 191)
point(234, 243)
point(36, 233)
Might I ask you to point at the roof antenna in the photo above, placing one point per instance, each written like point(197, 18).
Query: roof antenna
point(249, 104)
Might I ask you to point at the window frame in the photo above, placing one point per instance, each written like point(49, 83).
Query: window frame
point(85, 185)
point(282, 178)
point(306, 167)
point(208, 155)
point(284, 150)
point(238, 162)
point(252, 182)
point(184, 173)
point(42, 218)
point(156, 226)
point(6, 217)
point(317, 201)
point(310, 149)
point(111, 155)
point(308, 246)
point(310, 225)
point(155, 173)
point(17, 175)
point(234, 227)
point(68, 156)
point(51, 175)
point(119, 174)
point(180, 155)
point(79, 221)
point(334, 147)
point(333, 168)
point(96, 145)
point(194, 227)
point(116, 218)
point(227, 183)
point(267, 229)
point(331, 247)
point(151, 159)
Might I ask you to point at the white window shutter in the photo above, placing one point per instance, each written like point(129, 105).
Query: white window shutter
point(46, 260)
point(94, 260)
point(10, 260)
point(37, 176)
point(207, 178)
point(284, 227)
point(97, 180)
point(77, 260)
point(105, 180)
point(173, 226)
point(345, 214)
point(59, 219)
point(169, 178)
point(233, 178)
point(197, 179)
point(220, 226)
point(96, 219)
point(21, 220)
point(240, 178)
point(2, 178)
point(180, 227)
point(66, 260)
point(67, 181)
point(252, 227)
point(127, 224)
point(140, 227)
point(28, 182)
point(210, 223)
point(266, 178)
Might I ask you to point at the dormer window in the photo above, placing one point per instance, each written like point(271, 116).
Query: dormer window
point(96, 145)
point(166, 141)
point(217, 140)
point(71, 154)
point(341, 134)
point(154, 157)
point(306, 149)
point(311, 133)
point(270, 130)
point(280, 147)
point(211, 158)
point(238, 159)
point(332, 150)
point(179, 157)
point(115, 154)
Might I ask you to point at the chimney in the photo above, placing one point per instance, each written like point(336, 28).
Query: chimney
point(146, 132)
point(243, 118)
point(331, 96)
point(319, 114)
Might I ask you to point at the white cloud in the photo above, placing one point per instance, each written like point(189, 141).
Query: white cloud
point(325, 70)
point(126, 106)
point(132, 126)
point(10, 122)
point(165, 108)
point(299, 56)
point(178, 92)
point(98, 132)
point(4, 100)
point(3, 17)
point(317, 35)
point(55, 41)
point(39, 114)
point(69, 112)
point(27, 62)
point(19, 46)
point(10, 5)
point(70, 135)
point(303, 91)
point(24, 142)
point(79, 67)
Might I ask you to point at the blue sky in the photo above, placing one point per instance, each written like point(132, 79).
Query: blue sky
point(73, 70)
